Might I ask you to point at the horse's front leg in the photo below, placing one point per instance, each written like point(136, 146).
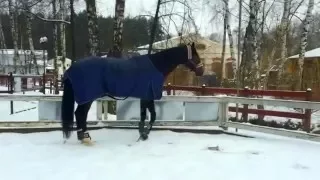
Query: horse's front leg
point(153, 114)
point(81, 120)
point(143, 115)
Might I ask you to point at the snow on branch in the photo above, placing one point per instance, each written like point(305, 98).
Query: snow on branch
point(48, 20)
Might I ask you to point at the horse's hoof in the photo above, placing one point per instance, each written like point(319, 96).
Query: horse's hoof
point(144, 136)
point(87, 142)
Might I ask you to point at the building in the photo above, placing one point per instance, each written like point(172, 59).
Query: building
point(311, 71)
point(50, 66)
point(209, 51)
point(25, 63)
point(310, 75)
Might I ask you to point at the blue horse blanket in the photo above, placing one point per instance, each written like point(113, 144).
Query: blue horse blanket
point(95, 77)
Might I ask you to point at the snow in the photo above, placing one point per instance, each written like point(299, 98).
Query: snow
point(166, 155)
point(309, 54)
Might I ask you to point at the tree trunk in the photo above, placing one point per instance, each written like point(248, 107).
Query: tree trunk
point(72, 33)
point(270, 58)
point(29, 35)
point(63, 33)
point(55, 42)
point(249, 63)
point(283, 38)
point(2, 38)
point(223, 66)
point(14, 35)
point(231, 46)
point(303, 45)
point(2, 47)
point(118, 28)
point(260, 49)
point(92, 27)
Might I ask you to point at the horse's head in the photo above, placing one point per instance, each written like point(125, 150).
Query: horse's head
point(193, 61)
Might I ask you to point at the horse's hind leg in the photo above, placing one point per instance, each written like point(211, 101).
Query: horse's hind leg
point(143, 115)
point(144, 105)
point(152, 111)
point(81, 120)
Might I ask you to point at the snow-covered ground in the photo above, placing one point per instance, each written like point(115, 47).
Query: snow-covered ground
point(165, 156)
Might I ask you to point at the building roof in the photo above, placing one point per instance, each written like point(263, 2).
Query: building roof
point(309, 54)
point(186, 38)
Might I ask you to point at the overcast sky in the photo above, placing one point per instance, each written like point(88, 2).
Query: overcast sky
point(202, 12)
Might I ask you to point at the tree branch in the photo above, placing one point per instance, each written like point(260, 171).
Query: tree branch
point(297, 17)
point(294, 12)
point(47, 20)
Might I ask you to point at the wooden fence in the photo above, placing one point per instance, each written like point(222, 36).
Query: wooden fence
point(305, 116)
point(39, 82)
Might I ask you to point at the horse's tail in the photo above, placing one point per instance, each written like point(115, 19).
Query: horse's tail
point(67, 108)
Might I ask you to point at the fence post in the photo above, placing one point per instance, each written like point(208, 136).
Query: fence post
point(44, 83)
point(169, 89)
point(51, 84)
point(11, 80)
point(245, 106)
point(203, 89)
point(306, 122)
point(223, 115)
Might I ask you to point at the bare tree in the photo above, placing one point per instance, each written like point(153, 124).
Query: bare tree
point(3, 45)
point(55, 42)
point(63, 33)
point(283, 37)
point(30, 40)
point(303, 44)
point(118, 28)
point(2, 39)
point(249, 63)
point(231, 46)
point(186, 18)
point(92, 27)
point(14, 34)
point(223, 70)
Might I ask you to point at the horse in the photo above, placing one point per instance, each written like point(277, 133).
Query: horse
point(140, 77)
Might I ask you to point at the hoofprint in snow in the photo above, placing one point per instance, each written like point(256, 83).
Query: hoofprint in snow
point(168, 156)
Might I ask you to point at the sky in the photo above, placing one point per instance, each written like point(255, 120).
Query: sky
point(143, 7)
point(203, 11)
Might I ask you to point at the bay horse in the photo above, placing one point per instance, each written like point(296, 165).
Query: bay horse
point(141, 77)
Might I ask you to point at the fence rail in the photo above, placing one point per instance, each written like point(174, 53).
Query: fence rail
point(203, 91)
point(222, 114)
point(246, 92)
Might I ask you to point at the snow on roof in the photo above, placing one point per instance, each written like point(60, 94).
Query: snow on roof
point(308, 54)
point(188, 36)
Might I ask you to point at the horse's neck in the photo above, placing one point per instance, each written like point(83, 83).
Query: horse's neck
point(166, 61)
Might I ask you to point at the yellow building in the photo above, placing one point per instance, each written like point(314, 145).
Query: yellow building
point(311, 70)
point(209, 51)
